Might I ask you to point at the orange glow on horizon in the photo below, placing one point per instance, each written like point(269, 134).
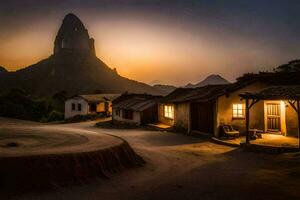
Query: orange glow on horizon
point(145, 51)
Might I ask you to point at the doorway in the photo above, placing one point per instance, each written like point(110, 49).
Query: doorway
point(93, 107)
point(273, 117)
point(202, 117)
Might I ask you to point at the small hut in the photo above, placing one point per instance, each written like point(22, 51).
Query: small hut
point(89, 104)
point(135, 109)
point(191, 109)
point(282, 111)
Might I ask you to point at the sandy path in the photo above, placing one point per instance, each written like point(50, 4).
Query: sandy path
point(38, 139)
point(181, 167)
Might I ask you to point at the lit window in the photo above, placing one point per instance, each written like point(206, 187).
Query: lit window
point(238, 111)
point(169, 111)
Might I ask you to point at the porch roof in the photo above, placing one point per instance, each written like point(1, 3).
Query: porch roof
point(291, 92)
point(269, 78)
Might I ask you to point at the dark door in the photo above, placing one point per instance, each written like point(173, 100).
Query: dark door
point(202, 117)
point(273, 117)
point(93, 107)
point(150, 115)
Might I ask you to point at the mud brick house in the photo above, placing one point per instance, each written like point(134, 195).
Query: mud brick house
point(191, 109)
point(269, 115)
point(89, 104)
point(135, 109)
point(206, 109)
point(281, 108)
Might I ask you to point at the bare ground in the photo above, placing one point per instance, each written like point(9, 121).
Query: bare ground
point(181, 167)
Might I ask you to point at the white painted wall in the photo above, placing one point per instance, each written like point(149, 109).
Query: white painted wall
point(76, 100)
point(118, 118)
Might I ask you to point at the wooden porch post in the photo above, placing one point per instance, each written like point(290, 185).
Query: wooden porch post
point(298, 115)
point(247, 120)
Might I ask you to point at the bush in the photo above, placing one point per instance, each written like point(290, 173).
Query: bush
point(82, 118)
point(55, 116)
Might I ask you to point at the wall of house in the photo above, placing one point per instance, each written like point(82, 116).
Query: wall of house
point(71, 113)
point(291, 121)
point(101, 107)
point(162, 118)
point(119, 119)
point(224, 110)
point(110, 107)
point(181, 116)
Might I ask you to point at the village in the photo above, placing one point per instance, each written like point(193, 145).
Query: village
point(262, 109)
point(73, 126)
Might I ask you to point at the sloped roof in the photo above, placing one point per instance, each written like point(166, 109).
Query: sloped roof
point(270, 78)
point(136, 102)
point(95, 98)
point(205, 93)
point(291, 92)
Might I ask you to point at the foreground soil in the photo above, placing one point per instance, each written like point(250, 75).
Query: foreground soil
point(35, 156)
point(181, 167)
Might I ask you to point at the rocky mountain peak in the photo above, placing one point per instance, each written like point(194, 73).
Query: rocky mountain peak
point(73, 37)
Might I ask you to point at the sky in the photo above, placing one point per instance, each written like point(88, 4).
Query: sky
point(167, 41)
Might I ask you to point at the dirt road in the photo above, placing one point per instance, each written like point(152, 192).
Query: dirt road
point(181, 167)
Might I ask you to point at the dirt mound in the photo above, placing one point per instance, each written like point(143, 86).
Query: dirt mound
point(42, 156)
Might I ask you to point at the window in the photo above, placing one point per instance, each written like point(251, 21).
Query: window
point(169, 111)
point(93, 107)
point(73, 107)
point(79, 107)
point(118, 112)
point(127, 114)
point(238, 111)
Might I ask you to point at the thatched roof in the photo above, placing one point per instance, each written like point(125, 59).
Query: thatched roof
point(205, 93)
point(291, 92)
point(135, 102)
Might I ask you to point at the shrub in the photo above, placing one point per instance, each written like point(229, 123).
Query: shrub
point(55, 116)
point(82, 118)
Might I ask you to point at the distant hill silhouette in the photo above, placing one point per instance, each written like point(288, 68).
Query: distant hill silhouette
point(210, 80)
point(3, 70)
point(166, 89)
point(73, 68)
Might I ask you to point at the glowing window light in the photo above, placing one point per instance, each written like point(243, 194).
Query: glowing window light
point(238, 111)
point(169, 111)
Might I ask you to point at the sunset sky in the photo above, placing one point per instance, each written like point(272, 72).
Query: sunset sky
point(172, 41)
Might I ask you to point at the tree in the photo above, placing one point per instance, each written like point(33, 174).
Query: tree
point(292, 66)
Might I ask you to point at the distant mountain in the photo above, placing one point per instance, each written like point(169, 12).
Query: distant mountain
point(165, 89)
point(73, 68)
point(210, 80)
point(3, 70)
point(155, 82)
